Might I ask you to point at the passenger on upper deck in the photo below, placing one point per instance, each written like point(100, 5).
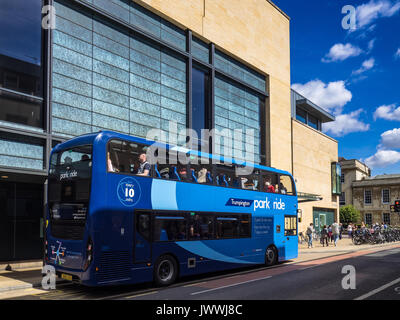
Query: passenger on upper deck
point(268, 187)
point(202, 176)
point(144, 167)
point(110, 166)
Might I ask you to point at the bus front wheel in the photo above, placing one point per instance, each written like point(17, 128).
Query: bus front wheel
point(271, 256)
point(165, 270)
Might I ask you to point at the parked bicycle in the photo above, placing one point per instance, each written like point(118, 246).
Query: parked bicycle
point(376, 235)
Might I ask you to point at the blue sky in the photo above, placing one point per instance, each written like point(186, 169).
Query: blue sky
point(354, 74)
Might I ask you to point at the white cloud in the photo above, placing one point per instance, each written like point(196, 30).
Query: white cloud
point(387, 112)
point(332, 96)
point(391, 139)
point(397, 54)
point(346, 123)
point(366, 65)
point(341, 52)
point(383, 158)
point(371, 45)
point(369, 12)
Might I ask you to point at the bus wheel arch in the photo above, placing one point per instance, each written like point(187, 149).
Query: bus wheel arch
point(271, 255)
point(166, 270)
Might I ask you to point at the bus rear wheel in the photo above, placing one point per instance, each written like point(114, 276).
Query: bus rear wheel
point(271, 256)
point(165, 270)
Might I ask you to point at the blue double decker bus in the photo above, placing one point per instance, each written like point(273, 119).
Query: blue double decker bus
point(114, 218)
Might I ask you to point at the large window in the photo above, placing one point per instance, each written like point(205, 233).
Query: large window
point(367, 197)
point(368, 219)
point(21, 72)
point(308, 119)
point(336, 171)
point(301, 115)
point(20, 30)
point(385, 196)
point(201, 113)
point(386, 218)
point(342, 199)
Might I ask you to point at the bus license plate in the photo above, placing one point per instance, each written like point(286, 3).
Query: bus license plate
point(66, 277)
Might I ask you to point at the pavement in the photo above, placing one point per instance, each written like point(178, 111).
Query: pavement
point(25, 278)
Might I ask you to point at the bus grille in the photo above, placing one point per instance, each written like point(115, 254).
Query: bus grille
point(67, 231)
point(114, 266)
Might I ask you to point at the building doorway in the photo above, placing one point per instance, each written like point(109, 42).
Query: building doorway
point(322, 217)
point(21, 221)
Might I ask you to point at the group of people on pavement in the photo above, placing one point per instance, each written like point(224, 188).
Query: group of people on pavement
point(331, 233)
point(352, 228)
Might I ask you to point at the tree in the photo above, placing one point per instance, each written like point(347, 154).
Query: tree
point(349, 214)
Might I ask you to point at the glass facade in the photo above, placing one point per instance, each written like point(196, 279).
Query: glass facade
point(201, 101)
point(107, 77)
point(21, 67)
point(236, 108)
point(115, 80)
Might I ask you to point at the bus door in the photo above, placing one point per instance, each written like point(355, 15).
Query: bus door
point(142, 241)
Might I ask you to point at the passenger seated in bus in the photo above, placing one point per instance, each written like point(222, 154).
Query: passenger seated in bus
point(282, 188)
point(85, 157)
point(268, 187)
point(194, 229)
point(243, 182)
point(110, 166)
point(164, 173)
point(183, 173)
point(144, 166)
point(202, 176)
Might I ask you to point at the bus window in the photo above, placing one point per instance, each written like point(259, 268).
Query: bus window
point(250, 182)
point(201, 227)
point(270, 182)
point(286, 185)
point(290, 225)
point(200, 170)
point(127, 157)
point(245, 226)
point(227, 227)
point(143, 225)
point(169, 229)
point(225, 176)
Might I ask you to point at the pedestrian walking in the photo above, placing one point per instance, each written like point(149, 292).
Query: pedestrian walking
point(350, 230)
point(330, 233)
point(335, 232)
point(310, 232)
point(324, 236)
point(340, 231)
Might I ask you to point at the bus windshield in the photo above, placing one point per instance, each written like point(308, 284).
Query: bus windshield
point(70, 175)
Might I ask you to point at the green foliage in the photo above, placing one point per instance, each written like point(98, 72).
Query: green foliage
point(349, 214)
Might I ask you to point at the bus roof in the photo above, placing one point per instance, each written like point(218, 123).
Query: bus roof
point(107, 135)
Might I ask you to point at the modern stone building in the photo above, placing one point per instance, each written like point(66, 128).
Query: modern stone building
point(131, 66)
point(372, 196)
point(315, 164)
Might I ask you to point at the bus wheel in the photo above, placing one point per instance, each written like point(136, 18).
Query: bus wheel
point(165, 270)
point(271, 256)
